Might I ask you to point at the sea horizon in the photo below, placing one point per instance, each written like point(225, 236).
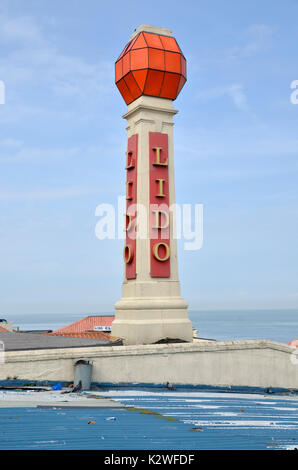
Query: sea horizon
point(220, 325)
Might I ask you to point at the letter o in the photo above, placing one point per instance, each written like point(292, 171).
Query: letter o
point(156, 248)
point(128, 223)
point(127, 254)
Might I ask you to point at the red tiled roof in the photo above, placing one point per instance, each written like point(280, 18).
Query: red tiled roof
point(84, 334)
point(293, 343)
point(87, 324)
point(3, 329)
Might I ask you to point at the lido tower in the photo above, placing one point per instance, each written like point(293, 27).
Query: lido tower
point(150, 73)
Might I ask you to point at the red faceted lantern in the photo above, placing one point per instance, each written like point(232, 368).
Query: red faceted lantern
point(150, 64)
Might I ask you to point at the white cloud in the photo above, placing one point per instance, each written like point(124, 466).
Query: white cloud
point(238, 96)
point(234, 91)
point(260, 35)
point(259, 38)
point(10, 143)
point(11, 113)
point(27, 153)
point(52, 193)
point(19, 29)
point(36, 60)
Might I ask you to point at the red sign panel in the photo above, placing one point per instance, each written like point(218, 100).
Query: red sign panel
point(131, 201)
point(159, 214)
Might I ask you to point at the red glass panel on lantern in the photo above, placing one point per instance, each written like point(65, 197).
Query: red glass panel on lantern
point(173, 63)
point(132, 85)
point(122, 53)
point(140, 76)
point(126, 63)
point(181, 84)
point(153, 40)
point(169, 44)
point(139, 42)
point(183, 66)
point(139, 59)
point(170, 85)
point(122, 87)
point(156, 59)
point(152, 65)
point(153, 82)
point(118, 70)
point(131, 44)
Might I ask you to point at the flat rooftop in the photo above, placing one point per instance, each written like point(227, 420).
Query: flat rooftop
point(30, 341)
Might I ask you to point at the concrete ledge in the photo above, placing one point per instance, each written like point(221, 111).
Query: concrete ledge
point(149, 104)
point(151, 29)
point(251, 363)
point(150, 349)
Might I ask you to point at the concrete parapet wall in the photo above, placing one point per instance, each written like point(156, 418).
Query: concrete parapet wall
point(252, 363)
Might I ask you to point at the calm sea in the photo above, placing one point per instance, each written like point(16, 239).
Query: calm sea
point(276, 325)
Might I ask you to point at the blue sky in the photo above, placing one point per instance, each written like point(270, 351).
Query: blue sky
point(62, 144)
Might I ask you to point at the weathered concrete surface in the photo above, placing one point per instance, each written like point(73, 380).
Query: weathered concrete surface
point(26, 341)
point(252, 363)
point(51, 399)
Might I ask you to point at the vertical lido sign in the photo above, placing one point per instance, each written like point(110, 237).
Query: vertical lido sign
point(131, 201)
point(159, 205)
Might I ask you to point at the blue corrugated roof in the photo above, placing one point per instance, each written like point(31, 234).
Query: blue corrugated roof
point(184, 420)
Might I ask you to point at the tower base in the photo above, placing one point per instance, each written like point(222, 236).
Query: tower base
point(147, 321)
